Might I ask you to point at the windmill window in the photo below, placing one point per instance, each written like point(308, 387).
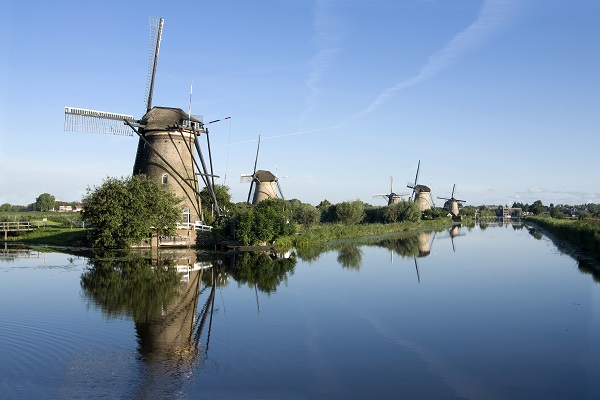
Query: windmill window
point(165, 179)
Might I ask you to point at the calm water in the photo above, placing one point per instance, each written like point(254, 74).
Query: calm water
point(472, 313)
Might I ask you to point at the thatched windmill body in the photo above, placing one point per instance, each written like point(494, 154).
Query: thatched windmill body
point(421, 194)
point(392, 198)
point(263, 183)
point(453, 204)
point(168, 150)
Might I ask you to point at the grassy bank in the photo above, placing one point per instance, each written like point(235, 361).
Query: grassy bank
point(317, 234)
point(54, 233)
point(584, 234)
point(51, 236)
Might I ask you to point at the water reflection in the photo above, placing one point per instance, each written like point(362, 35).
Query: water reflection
point(171, 298)
point(350, 256)
point(262, 270)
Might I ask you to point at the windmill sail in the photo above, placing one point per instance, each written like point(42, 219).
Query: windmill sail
point(92, 121)
point(156, 26)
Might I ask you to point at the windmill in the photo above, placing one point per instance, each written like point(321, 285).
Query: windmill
point(421, 194)
point(168, 150)
point(263, 182)
point(454, 210)
point(392, 198)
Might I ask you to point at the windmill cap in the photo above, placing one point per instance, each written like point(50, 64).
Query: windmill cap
point(265, 176)
point(164, 118)
point(423, 188)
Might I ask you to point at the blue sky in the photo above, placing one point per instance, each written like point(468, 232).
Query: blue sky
point(500, 97)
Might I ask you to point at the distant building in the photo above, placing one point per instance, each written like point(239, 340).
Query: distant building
point(509, 212)
point(70, 208)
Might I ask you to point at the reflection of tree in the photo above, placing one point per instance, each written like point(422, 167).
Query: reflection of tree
point(261, 269)
point(589, 268)
point(406, 246)
point(130, 287)
point(350, 256)
point(535, 233)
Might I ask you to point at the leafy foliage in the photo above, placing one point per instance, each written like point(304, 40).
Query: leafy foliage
point(264, 222)
point(304, 213)
point(44, 202)
point(223, 200)
point(537, 208)
point(350, 212)
point(402, 211)
point(122, 212)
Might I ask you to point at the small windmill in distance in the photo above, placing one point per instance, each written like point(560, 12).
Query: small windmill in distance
point(263, 182)
point(454, 209)
point(421, 194)
point(392, 198)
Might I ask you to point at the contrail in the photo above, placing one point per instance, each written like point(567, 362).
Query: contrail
point(493, 16)
point(326, 40)
point(285, 134)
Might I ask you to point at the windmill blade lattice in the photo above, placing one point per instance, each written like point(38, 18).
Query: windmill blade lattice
point(92, 121)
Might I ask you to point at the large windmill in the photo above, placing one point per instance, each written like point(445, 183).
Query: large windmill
point(392, 198)
point(168, 150)
point(454, 210)
point(262, 183)
point(421, 194)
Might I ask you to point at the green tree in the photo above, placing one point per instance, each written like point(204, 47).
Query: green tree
point(327, 211)
point(264, 222)
point(537, 207)
point(402, 211)
point(45, 202)
point(304, 213)
point(350, 212)
point(223, 200)
point(122, 212)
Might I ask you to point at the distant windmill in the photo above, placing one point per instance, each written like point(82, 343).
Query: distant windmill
point(421, 194)
point(168, 140)
point(454, 210)
point(392, 198)
point(263, 183)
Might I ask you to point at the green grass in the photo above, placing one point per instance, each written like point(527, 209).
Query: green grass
point(317, 234)
point(51, 236)
point(584, 234)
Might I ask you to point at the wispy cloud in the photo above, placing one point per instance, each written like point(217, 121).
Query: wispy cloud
point(326, 39)
point(493, 16)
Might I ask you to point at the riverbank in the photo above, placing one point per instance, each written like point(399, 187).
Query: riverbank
point(584, 234)
point(306, 236)
point(319, 234)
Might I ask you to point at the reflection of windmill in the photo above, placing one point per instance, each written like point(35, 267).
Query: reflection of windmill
point(454, 232)
point(421, 193)
point(454, 210)
point(425, 244)
point(263, 183)
point(392, 198)
point(168, 140)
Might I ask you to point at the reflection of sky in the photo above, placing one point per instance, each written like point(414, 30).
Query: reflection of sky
point(500, 316)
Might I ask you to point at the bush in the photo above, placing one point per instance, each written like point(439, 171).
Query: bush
point(350, 212)
point(264, 222)
point(402, 211)
point(124, 211)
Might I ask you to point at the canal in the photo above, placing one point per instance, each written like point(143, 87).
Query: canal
point(484, 312)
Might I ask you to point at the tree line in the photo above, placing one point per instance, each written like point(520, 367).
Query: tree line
point(122, 212)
